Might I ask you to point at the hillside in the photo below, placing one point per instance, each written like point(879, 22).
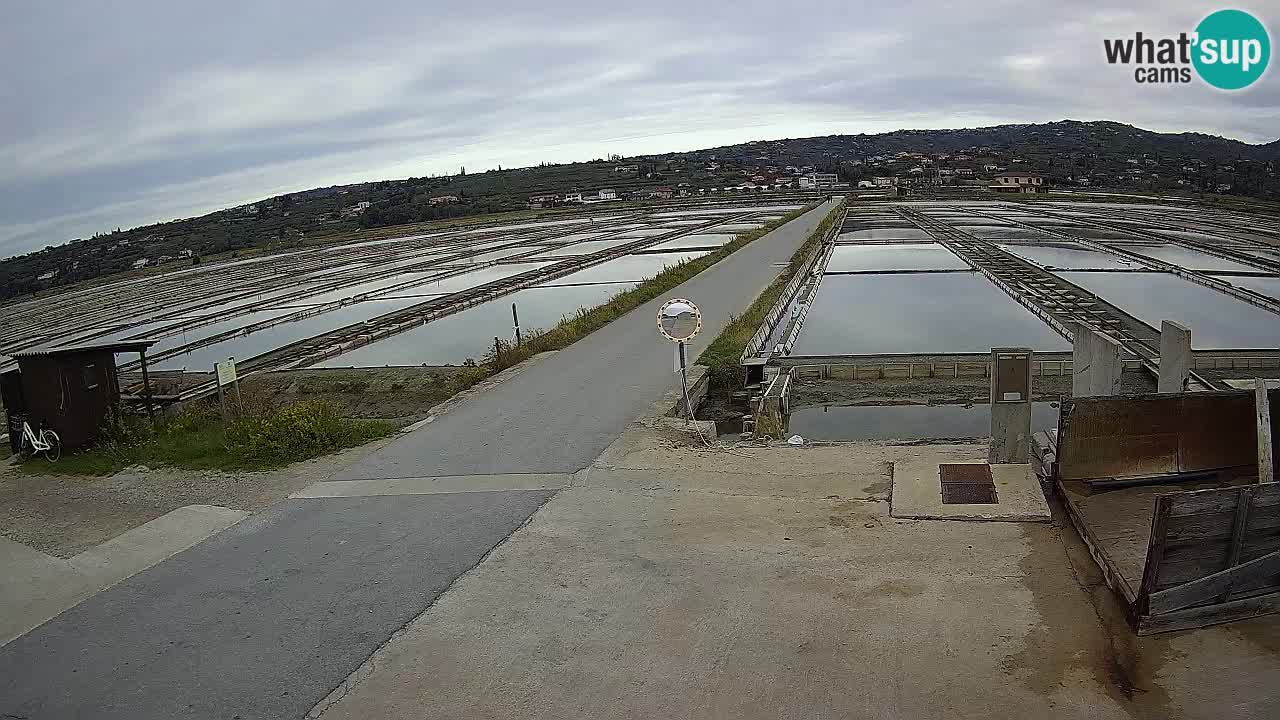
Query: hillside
point(1105, 154)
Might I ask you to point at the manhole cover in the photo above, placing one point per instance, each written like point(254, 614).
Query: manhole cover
point(967, 484)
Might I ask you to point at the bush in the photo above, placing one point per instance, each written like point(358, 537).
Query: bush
point(297, 432)
point(256, 438)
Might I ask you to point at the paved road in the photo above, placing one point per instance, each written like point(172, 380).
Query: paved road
point(264, 619)
point(560, 414)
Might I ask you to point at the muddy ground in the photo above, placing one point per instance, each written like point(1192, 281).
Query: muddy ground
point(939, 391)
point(403, 394)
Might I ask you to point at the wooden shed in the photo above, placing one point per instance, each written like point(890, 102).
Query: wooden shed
point(72, 388)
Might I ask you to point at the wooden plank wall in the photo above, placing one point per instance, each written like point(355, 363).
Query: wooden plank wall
point(1201, 533)
point(1135, 435)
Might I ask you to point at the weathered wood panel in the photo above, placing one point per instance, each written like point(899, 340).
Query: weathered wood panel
point(1210, 546)
point(1126, 436)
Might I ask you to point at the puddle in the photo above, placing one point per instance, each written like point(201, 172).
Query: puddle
point(695, 241)
point(1269, 286)
point(628, 268)
point(1217, 321)
point(913, 256)
point(905, 422)
point(584, 248)
point(1190, 259)
point(470, 333)
point(924, 313)
point(1071, 257)
point(889, 233)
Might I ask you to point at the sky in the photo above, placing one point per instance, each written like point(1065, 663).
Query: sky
point(136, 111)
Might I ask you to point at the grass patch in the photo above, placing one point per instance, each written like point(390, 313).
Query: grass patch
point(723, 356)
point(255, 439)
point(586, 321)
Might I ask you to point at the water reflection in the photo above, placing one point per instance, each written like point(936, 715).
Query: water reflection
point(905, 422)
point(918, 313)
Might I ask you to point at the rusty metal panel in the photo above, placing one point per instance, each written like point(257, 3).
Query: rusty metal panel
point(1122, 436)
point(1217, 431)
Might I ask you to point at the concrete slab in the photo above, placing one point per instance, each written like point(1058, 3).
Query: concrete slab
point(434, 485)
point(263, 619)
point(653, 603)
point(34, 587)
point(917, 493)
point(38, 587)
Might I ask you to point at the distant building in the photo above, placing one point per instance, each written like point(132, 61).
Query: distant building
point(607, 194)
point(444, 199)
point(543, 200)
point(47, 275)
point(1019, 182)
point(818, 181)
point(139, 263)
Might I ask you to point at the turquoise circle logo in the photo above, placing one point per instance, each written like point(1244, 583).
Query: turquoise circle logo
point(1232, 49)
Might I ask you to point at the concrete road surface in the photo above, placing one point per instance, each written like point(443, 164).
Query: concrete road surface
point(264, 619)
point(558, 415)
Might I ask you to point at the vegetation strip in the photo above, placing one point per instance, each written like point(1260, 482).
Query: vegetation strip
point(723, 356)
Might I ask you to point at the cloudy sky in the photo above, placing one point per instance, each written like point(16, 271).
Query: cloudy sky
point(121, 113)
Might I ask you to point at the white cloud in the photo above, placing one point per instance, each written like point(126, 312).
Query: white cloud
point(144, 110)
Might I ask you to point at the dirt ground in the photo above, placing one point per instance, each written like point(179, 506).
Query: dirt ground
point(676, 580)
point(65, 515)
point(404, 394)
point(939, 391)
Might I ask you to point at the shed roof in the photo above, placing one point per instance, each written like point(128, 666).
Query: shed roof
point(114, 346)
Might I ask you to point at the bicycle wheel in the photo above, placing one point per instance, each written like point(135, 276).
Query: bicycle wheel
point(55, 445)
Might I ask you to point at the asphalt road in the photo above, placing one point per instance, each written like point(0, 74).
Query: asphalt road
point(262, 620)
point(560, 414)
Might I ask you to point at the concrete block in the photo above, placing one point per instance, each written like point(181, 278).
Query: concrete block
point(917, 494)
point(1010, 433)
point(1175, 357)
point(1096, 364)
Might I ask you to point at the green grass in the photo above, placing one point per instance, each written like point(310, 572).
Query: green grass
point(586, 321)
point(195, 439)
point(723, 356)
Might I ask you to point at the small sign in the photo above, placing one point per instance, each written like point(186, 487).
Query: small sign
point(226, 371)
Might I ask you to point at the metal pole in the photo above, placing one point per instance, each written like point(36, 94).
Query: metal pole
point(146, 384)
point(516, 319)
point(684, 386)
point(222, 398)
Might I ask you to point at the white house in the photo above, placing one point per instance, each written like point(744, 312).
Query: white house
point(818, 181)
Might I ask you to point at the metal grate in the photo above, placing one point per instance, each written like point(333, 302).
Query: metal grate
point(967, 484)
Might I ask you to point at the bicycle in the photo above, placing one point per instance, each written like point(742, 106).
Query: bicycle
point(45, 442)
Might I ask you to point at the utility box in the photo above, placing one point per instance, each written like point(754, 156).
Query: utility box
point(1010, 375)
point(1010, 406)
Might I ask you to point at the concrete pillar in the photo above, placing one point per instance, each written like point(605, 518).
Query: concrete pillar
point(1010, 406)
point(1095, 364)
point(1175, 357)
